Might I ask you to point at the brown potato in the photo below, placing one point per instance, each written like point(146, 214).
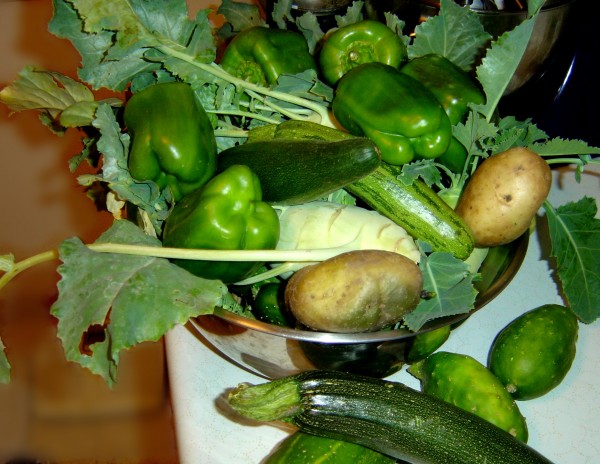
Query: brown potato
point(357, 291)
point(503, 196)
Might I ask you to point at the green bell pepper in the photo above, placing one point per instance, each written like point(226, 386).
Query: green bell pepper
point(394, 110)
point(173, 139)
point(354, 44)
point(227, 213)
point(454, 89)
point(260, 55)
point(455, 157)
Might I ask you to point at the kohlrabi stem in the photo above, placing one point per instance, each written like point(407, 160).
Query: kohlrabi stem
point(219, 255)
point(217, 71)
point(246, 114)
point(279, 256)
point(275, 107)
point(231, 133)
point(21, 266)
point(577, 161)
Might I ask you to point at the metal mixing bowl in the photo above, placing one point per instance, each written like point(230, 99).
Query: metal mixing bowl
point(272, 351)
point(550, 25)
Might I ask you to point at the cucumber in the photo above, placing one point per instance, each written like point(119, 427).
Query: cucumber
point(269, 304)
point(533, 354)
point(302, 448)
point(295, 171)
point(424, 344)
point(417, 208)
point(464, 382)
point(388, 417)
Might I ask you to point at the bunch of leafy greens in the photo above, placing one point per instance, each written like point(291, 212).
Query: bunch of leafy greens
point(131, 44)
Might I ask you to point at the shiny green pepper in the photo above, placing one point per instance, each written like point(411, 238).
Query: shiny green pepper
point(395, 111)
point(173, 140)
point(260, 55)
point(227, 213)
point(354, 44)
point(455, 157)
point(454, 89)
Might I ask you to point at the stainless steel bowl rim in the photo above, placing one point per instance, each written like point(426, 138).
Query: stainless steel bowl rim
point(381, 336)
point(554, 6)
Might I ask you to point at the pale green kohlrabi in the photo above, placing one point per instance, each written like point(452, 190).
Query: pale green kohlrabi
point(323, 224)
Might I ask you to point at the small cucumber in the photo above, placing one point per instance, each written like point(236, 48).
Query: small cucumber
point(303, 448)
point(466, 383)
point(417, 208)
point(533, 354)
point(427, 343)
point(295, 171)
point(269, 304)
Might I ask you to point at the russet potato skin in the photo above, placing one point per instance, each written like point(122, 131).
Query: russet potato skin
point(357, 291)
point(503, 196)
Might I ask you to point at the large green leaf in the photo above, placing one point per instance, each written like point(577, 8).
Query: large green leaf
point(114, 37)
point(64, 101)
point(500, 63)
point(575, 236)
point(456, 33)
point(110, 302)
point(449, 284)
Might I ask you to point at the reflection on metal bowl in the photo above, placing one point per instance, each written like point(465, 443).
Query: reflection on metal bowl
point(547, 32)
point(272, 351)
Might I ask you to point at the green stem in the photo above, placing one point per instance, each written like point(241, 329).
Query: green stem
point(271, 401)
point(231, 133)
point(577, 161)
point(277, 256)
point(215, 70)
point(245, 114)
point(311, 255)
point(21, 266)
point(275, 107)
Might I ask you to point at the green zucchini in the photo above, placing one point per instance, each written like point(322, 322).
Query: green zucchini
point(303, 448)
point(298, 130)
point(388, 417)
point(417, 208)
point(297, 171)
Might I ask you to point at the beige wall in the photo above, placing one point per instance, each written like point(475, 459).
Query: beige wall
point(41, 202)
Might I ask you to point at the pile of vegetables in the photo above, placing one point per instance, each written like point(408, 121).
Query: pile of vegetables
point(244, 158)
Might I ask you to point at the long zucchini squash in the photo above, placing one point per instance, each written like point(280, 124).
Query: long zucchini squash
point(415, 207)
point(294, 171)
point(386, 416)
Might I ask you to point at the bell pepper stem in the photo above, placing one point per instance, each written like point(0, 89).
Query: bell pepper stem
point(217, 71)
